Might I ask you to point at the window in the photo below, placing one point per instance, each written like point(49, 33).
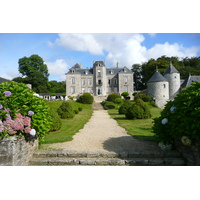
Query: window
point(115, 81)
point(109, 81)
point(83, 81)
point(164, 85)
point(109, 90)
point(83, 90)
point(99, 72)
point(111, 72)
point(99, 82)
point(125, 79)
point(73, 90)
point(73, 80)
point(125, 88)
point(90, 81)
point(90, 90)
point(115, 89)
point(86, 72)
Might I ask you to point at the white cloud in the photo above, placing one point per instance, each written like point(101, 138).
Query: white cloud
point(125, 48)
point(80, 42)
point(59, 67)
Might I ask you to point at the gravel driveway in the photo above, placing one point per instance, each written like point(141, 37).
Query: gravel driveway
point(102, 133)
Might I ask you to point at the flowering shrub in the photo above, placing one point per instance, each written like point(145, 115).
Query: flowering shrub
point(21, 112)
point(180, 119)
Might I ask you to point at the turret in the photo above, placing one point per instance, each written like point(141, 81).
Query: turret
point(173, 77)
point(158, 89)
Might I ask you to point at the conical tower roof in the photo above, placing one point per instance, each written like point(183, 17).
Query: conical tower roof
point(171, 69)
point(157, 77)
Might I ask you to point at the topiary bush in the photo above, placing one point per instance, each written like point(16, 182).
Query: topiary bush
point(56, 121)
point(22, 112)
point(124, 107)
point(65, 111)
point(139, 110)
point(113, 96)
point(108, 105)
point(144, 97)
point(125, 95)
point(180, 118)
point(86, 98)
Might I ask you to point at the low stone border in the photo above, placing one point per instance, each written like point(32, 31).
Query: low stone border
point(191, 153)
point(16, 151)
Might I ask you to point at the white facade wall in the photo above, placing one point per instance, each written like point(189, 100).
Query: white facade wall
point(174, 84)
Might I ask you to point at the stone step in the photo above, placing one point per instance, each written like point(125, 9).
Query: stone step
point(63, 157)
point(107, 161)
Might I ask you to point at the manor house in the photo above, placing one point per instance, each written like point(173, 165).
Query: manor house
point(98, 80)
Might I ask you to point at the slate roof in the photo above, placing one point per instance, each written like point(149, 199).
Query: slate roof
point(157, 77)
point(4, 80)
point(188, 81)
point(171, 69)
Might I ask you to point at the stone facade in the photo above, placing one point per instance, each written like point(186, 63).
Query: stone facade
point(98, 80)
point(16, 151)
point(164, 88)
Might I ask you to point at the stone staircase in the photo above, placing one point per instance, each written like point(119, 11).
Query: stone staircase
point(124, 158)
point(99, 98)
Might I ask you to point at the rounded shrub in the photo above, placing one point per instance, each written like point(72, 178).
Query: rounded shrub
point(65, 111)
point(139, 110)
point(108, 105)
point(80, 109)
point(86, 98)
point(56, 121)
point(113, 96)
point(76, 111)
point(144, 97)
point(125, 94)
point(124, 107)
point(22, 111)
point(180, 118)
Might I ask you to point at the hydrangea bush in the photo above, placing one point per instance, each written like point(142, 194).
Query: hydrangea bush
point(180, 119)
point(22, 112)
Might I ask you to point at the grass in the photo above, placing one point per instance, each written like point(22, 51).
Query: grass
point(139, 128)
point(69, 126)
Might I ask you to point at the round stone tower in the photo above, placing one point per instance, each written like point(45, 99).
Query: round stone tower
point(173, 77)
point(158, 89)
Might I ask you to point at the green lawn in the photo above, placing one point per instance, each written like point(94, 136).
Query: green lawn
point(69, 126)
point(139, 128)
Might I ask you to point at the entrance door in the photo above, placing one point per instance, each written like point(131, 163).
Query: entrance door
point(99, 91)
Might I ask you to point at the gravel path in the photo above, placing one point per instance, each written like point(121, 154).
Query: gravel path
point(102, 133)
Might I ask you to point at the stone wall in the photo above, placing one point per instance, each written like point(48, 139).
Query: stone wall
point(16, 151)
point(191, 153)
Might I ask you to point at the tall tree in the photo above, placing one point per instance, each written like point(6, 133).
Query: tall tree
point(34, 72)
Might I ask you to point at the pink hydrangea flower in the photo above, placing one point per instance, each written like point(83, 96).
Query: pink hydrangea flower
point(27, 130)
point(27, 121)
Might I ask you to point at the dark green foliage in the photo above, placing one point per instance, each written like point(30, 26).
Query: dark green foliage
point(125, 95)
point(86, 98)
point(35, 72)
point(124, 107)
point(65, 111)
point(76, 111)
point(144, 97)
point(119, 101)
point(108, 105)
point(80, 108)
point(183, 115)
point(56, 121)
point(139, 110)
point(112, 97)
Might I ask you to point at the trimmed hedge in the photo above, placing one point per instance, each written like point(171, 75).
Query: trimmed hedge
point(86, 98)
point(113, 96)
point(56, 121)
point(139, 110)
point(65, 111)
point(108, 105)
point(124, 107)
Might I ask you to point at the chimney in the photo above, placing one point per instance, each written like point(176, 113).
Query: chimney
point(117, 64)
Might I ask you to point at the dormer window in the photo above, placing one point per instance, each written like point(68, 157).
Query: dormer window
point(86, 72)
point(73, 71)
point(111, 72)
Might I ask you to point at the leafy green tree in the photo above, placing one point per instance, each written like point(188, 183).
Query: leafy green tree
point(34, 72)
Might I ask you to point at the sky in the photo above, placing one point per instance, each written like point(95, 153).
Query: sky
point(61, 51)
